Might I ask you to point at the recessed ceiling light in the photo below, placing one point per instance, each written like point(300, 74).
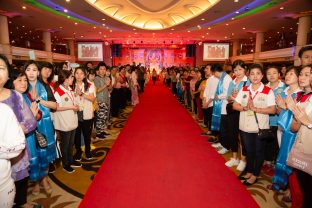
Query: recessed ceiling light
point(203, 19)
point(103, 24)
point(281, 8)
point(244, 28)
point(67, 0)
point(10, 22)
point(61, 27)
point(207, 33)
point(225, 37)
point(232, 18)
point(24, 7)
point(68, 16)
point(135, 33)
point(94, 27)
point(291, 28)
point(203, 36)
point(81, 36)
point(23, 26)
point(76, 23)
point(209, 28)
point(188, 31)
point(237, 12)
point(133, 29)
point(100, 32)
point(65, 10)
point(277, 32)
point(227, 24)
point(110, 31)
point(172, 28)
point(236, 1)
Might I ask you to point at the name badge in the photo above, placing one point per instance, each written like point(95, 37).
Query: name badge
point(250, 113)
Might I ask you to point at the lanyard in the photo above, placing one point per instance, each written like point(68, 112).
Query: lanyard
point(252, 98)
point(71, 97)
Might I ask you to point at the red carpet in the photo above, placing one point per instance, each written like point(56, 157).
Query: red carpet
point(160, 161)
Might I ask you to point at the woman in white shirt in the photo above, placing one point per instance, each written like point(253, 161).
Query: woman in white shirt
point(84, 98)
point(255, 102)
point(12, 143)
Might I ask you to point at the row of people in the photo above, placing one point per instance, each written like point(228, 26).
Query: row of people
point(235, 110)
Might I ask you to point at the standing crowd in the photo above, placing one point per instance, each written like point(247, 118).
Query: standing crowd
point(263, 116)
point(47, 110)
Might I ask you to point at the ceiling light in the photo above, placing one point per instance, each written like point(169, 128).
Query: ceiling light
point(277, 32)
point(103, 19)
point(135, 33)
point(100, 32)
point(172, 28)
point(133, 29)
point(103, 25)
point(291, 28)
point(209, 28)
point(244, 28)
point(203, 36)
point(203, 19)
point(23, 26)
point(81, 36)
point(188, 31)
point(225, 37)
point(232, 18)
point(68, 16)
point(236, 1)
point(237, 12)
point(65, 10)
point(207, 33)
point(227, 24)
point(94, 27)
point(67, 0)
point(61, 27)
point(10, 22)
point(110, 31)
point(24, 7)
point(281, 8)
point(76, 23)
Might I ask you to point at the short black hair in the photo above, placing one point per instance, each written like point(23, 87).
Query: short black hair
point(256, 66)
point(49, 66)
point(295, 68)
point(304, 49)
point(216, 67)
point(240, 63)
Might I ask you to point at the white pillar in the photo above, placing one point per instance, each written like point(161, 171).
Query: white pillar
point(302, 34)
point(259, 41)
point(236, 47)
point(46, 38)
point(4, 37)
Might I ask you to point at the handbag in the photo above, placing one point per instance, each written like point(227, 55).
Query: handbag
point(229, 106)
point(297, 158)
point(264, 134)
point(41, 140)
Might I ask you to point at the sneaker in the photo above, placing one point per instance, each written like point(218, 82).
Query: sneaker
point(100, 136)
point(88, 156)
point(232, 162)
point(77, 157)
point(76, 164)
point(51, 168)
point(68, 169)
point(216, 145)
point(241, 166)
point(213, 139)
point(223, 151)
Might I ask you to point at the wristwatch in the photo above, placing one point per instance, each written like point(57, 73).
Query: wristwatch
point(309, 125)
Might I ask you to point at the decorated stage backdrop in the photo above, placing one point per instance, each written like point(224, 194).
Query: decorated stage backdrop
point(154, 58)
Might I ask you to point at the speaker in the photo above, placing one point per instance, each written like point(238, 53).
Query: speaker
point(116, 50)
point(190, 50)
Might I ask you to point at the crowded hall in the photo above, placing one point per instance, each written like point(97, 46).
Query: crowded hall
point(155, 104)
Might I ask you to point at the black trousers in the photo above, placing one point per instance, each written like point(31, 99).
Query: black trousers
point(233, 123)
point(123, 97)
point(115, 102)
point(154, 80)
point(21, 192)
point(305, 182)
point(67, 144)
point(141, 83)
point(255, 152)
point(174, 88)
point(84, 127)
point(224, 132)
point(205, 115)
point(271, 146)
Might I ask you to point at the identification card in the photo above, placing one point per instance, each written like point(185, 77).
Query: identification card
point(250, 113)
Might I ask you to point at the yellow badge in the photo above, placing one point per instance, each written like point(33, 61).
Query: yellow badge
point(250, 113)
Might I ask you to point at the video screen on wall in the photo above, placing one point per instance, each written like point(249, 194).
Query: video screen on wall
point(216, 51)
point(92, 51)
